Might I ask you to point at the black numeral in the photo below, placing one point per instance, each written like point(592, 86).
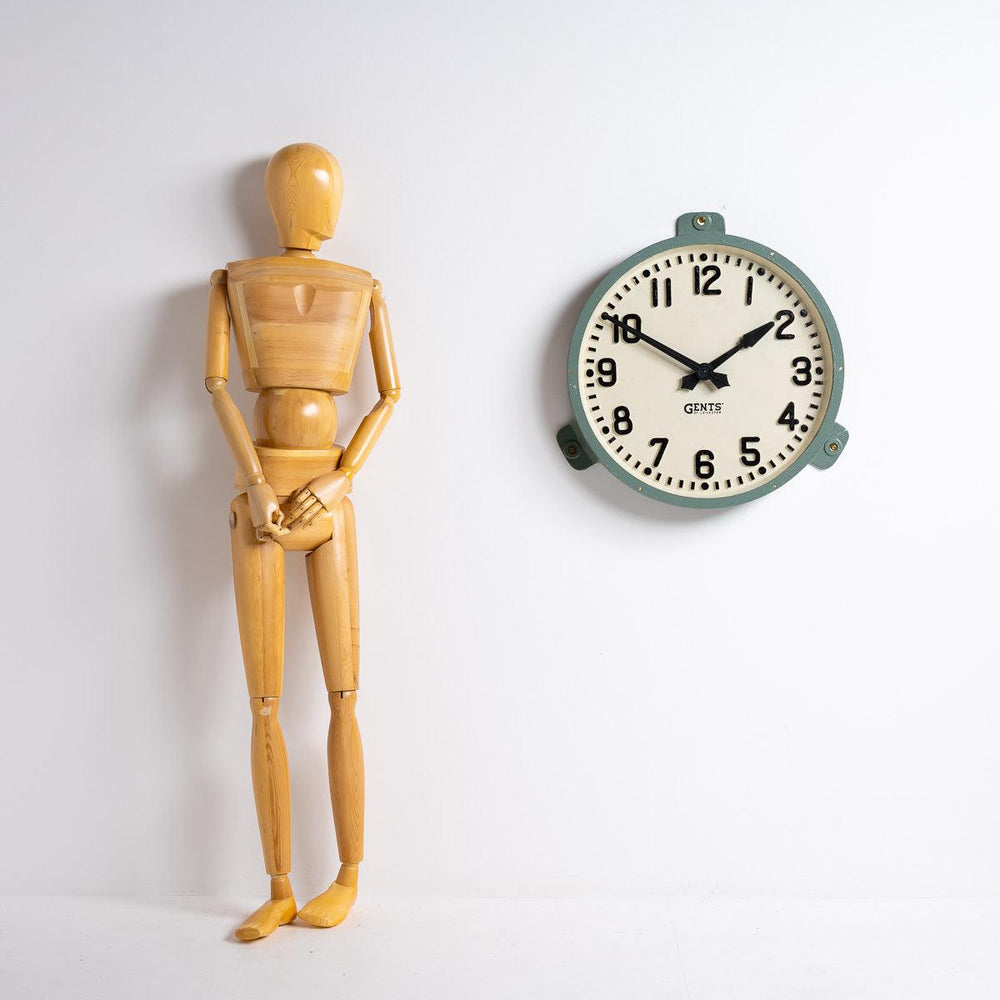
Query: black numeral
point(661, 445)
point(607, 372)
point(630, 336)
point(749, 455)
point(784, 318)
point(788, 417)
point(703, 464)
point(803, 371)
point(654, 292)
point(712, 274)
point(623, 420)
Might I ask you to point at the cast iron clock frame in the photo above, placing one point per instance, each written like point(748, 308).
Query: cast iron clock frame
point(580, 445)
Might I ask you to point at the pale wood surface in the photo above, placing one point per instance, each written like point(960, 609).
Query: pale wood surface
point(347, 776)
point(333, 590)
point(266, 919)
point(217, 341)
point(286, 469)
point(269, 768)
point(298, 323)
point(259, 576)
point(235, 429)
point(308, 416)
point(304, 186)
point(380, 337)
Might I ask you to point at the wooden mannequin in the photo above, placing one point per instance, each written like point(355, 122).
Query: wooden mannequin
point(298, 323)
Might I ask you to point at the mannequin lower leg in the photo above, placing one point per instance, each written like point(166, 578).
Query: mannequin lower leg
point(347, 793)
point(269, 767)
point(347, 777)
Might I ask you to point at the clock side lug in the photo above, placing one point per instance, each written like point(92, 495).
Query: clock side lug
point(574, 450)
point(703, 223)
point(834, 441)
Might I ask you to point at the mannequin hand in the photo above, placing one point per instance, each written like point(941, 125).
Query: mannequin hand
point(264, 511)
point(320, 496)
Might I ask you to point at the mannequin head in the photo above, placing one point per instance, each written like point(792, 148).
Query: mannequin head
point(304, 187)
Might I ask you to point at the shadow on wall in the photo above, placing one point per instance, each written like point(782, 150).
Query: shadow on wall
point(251, 209)
point(556, 412)
point(188, 516)
point(189, 548)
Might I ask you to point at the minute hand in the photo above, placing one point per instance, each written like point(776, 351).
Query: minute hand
point(747, 340)
point(717, 380)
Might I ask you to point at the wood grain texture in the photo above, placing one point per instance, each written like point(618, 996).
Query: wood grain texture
point(304, 186)
point(217, 341)
point(347, 776)
point(380, 337)
point(269, 768)
point(298, 323)
point(259, 578)
point(333, 590)
point(287, 469)
point(235, 429)
point(295, 418)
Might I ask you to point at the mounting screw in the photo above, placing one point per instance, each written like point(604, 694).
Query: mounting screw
point(701, 221)
point(832, 446)
point(572, 447)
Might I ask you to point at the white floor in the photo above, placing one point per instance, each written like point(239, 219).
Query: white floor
point(697, 949)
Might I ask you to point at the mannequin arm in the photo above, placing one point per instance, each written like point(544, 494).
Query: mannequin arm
point(264, 509)
point(387, 380)
point(325, 492)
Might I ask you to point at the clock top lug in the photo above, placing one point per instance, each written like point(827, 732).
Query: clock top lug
point(704, 223)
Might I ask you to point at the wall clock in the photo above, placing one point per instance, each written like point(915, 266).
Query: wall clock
point(705, 371)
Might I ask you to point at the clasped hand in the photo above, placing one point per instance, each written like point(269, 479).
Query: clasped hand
point(320, 496)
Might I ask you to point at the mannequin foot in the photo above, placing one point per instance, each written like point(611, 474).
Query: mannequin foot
point(278, 910)
point(329, 908)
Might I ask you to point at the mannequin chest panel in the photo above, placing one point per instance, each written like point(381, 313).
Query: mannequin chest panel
point(298, 322)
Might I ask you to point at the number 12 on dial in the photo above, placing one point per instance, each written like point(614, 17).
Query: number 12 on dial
point(705, 371)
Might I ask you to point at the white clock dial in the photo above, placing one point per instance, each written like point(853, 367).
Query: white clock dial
point(705, 371)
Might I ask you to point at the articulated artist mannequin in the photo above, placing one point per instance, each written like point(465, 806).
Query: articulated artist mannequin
point(298, 322)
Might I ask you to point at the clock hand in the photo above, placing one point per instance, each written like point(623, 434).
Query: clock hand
point(717, 380)
point(747, 340)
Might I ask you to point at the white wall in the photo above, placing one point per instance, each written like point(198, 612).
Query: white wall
point(565, 687)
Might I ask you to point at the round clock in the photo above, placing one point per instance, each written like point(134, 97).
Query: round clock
point(705, 371)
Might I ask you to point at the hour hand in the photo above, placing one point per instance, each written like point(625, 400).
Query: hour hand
point(747, 340)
